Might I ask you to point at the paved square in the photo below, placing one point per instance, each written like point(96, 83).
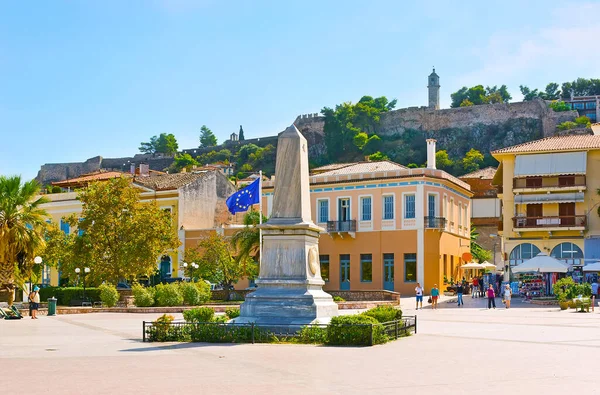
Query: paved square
point(522, 350)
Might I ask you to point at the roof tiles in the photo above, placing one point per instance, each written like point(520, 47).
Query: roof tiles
point(166, 182)
point(364, 167)
point(555, 143)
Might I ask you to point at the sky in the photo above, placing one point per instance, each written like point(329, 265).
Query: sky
point(82, 78)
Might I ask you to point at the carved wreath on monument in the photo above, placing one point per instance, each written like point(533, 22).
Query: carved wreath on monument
point(313, 260)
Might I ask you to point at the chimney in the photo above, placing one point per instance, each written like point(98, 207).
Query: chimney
point(431, 153)
point(144, 170)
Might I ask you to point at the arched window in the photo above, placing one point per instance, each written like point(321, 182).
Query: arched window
point(569, 253)
point(522, 253)
point(165, 266)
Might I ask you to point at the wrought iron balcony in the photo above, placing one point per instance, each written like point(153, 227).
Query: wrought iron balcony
point(550, 222)
point(435, 222)
point(341, 226)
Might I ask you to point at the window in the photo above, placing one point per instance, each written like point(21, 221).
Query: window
point(365, 208)
point(569, 253)
point(431, 203)
point(590, 105)
point(388, 270)
point(409, 206)
point(533, 182)
point(388, 207)
point(452, 211)
point(410, 268)
point(460, 215)
point(578, 106)
point(344, 209)
point(324, 259)
point(366, 268)
point(323, 210)
point(565, 181)
point(522, 252)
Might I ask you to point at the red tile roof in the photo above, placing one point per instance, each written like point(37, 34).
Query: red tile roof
point(165, 182)
point(486, 174)
point(364, 167)
point(90, 177)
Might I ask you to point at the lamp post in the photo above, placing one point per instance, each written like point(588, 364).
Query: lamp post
point(86, 270)
point(36, 261)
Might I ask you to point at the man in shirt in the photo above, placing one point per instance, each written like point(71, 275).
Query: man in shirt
point(419, 294)
point(459, 293)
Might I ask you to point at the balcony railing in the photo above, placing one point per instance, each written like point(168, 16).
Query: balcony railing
point(435, 222)
point(571, 182)
point(550, 222)
point(341, 226)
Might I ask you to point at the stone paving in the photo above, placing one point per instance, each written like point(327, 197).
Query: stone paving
point(525, 349)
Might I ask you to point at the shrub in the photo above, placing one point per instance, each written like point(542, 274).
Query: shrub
point(200, 314)
point(142, 296)
point(583, 121)
point(355, 330)
point(65, 295)
point(168, 295)
point(338, 299)
point(224, 333)
point(190, 294)
point(220, 319)
point(566, 125)
point(313, 335)
point(560, 106)
point(384, 313)
point(162, 330)
point(109, 295)
point(232, 312)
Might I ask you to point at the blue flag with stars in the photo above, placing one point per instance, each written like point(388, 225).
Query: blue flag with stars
point(244, 198)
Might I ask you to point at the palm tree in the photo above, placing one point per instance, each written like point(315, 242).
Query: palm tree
point(246, 241)
point(22, 224)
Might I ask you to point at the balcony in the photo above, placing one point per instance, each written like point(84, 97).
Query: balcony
point(543, 184)
point(571, 222)
point(435, 223)
point(342, 226)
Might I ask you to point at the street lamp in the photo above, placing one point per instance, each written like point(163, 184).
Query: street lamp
point(86, 270)
point(36, 261)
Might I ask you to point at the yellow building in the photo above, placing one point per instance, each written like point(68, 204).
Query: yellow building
point(387, 226)
point(197, 201)
point(548, 190)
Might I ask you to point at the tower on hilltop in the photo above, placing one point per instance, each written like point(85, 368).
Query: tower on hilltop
point(433, 85)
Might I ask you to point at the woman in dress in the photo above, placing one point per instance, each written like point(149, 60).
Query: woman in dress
point(507, 295)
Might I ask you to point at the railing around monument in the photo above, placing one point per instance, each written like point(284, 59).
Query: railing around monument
point(217, 332)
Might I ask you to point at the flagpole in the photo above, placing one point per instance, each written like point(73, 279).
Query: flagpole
point(260, 218)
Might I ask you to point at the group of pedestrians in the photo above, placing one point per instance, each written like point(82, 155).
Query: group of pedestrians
point(476, 291)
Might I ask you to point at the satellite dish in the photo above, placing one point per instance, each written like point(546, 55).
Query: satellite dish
point(467, 257)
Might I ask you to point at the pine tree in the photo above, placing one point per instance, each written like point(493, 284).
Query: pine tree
point(241, 133)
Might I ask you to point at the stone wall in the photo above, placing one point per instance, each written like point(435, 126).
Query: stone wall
point(355, 296)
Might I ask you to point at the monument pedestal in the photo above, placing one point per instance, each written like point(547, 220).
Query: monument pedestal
point(290, 287)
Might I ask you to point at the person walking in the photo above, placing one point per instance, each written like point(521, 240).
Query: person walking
point(435, 294)
point(594, 292)
point(459, 293)
point(481, 287)
point(491, 297)
point(507, 296)
point(34, 302)
point(419, 294)
point(474, 287)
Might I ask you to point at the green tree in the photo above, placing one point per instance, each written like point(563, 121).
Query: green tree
point(443, 161)
point(477, 95)
point(121, 237)
point(241, 136)
point(479, 253)
point(552, 92)
point(245, 151)
point(580, 87)
point(246, 241)
point(559, 106)
point(164, 144)
point(527, 93)
point(372, 145)
point(472, 161)
point(583, 121)
point(214, 256)
point(22, 228)
point(346, 125)
point(185, 161)
point(378, 156)
point(224, 155)
point(207, 137)
point(466, 103)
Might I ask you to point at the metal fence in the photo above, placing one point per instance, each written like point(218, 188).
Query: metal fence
point(216, 332)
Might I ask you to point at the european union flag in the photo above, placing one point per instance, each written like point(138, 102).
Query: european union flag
point(244, 198)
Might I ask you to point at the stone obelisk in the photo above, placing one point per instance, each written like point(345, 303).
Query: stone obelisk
point(290, 287)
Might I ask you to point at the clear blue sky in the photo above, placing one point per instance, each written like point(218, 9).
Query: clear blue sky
point(85, 78)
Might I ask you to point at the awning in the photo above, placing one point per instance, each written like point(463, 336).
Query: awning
point(551, 164)
point(571, 197)
point(592, 267)
point(541, 263)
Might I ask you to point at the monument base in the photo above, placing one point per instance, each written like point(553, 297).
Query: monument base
point(288, 305)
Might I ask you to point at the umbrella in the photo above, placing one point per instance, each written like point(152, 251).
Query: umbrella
point(592, 267)
point(481, 266)
point(541, 263)
point(488, 266)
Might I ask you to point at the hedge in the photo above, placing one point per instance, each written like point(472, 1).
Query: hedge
point(65, 295)
point(355, 330)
